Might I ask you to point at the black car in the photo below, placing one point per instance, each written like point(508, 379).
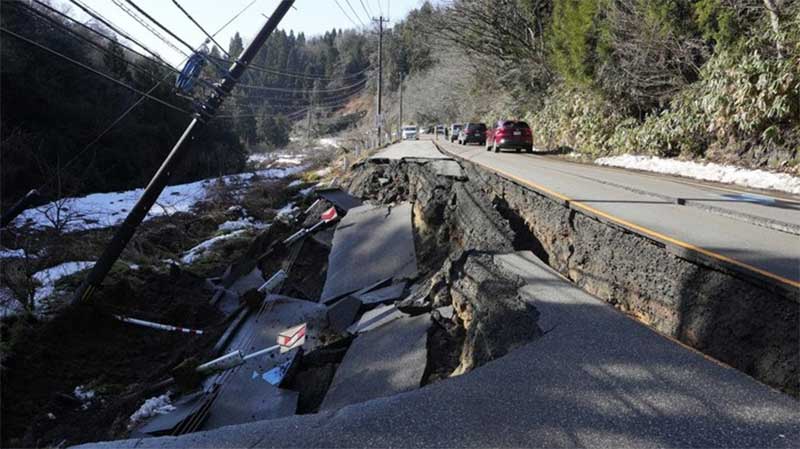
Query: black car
point(473, 133)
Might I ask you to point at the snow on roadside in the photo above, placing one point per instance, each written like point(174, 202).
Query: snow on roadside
point(758, 179)
point(49, 276)
point(102, 210)
point(158, 405)
point(195, 253)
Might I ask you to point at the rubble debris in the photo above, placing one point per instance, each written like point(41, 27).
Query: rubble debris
point(382, 362)
point(363, 239)
point(243, 398)
point(340, 198)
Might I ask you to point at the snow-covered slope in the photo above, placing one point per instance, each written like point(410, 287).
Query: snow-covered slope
point(101, 210)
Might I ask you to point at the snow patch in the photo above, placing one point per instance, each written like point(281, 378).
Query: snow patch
point(159, 405)
point(84, 395)
point(12, 253)
point(102, 210)
point(287, 210)
point(49, 276)
point(191, 256)
point(758, 179)
point(329, 142)
point(244, 223)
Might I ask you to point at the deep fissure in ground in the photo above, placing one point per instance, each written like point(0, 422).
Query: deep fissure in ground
point(740, 321)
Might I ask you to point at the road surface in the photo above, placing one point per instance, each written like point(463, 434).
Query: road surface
point(735, 227)
point(595, 379)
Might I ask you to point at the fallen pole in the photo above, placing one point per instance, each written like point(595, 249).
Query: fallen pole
point(206, 111)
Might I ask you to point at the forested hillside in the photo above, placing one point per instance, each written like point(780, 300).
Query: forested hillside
point(65, 129)
point(717, 79)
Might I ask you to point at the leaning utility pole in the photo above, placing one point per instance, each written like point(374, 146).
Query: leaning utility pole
point(380, 21)
point(205, 112)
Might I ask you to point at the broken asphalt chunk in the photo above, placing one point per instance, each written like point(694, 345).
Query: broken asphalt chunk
point(343, 312)
point(340, 198)
point(371, 243)
point(383, 362)
point(382, 295)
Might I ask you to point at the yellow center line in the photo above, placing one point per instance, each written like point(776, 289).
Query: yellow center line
point(641, 229)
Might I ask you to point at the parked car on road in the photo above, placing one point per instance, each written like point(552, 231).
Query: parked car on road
point(473, 133)
point(509, 134)
point(410, 133)
point(439, 131)
point(455, 128)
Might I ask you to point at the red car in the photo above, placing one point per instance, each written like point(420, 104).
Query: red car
point(509, 134)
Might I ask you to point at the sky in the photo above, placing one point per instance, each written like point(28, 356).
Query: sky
point(312, 17)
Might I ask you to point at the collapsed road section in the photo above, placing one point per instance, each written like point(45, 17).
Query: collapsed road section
point(434, 318)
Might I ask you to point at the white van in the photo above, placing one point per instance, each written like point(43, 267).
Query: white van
point(410, 133)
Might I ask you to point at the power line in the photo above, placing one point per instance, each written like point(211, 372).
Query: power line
point(357, 16)
point(43, 16)
point(366, 9)
point(103, 35)
point(304, 76)
point(345, 14)
point(210, 37)
point(149, 28)
point(96, 72)
point(301, 91)
point(97, 16)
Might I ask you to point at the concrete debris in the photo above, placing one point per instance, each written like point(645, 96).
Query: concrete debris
point(376, 318)
point(446, 312)
point(363, 240)
point(380, 363)
point(243, 398)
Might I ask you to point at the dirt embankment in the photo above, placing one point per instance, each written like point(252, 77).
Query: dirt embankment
point(742, 322)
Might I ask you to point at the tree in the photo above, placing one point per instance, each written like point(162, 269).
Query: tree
point(236, 46)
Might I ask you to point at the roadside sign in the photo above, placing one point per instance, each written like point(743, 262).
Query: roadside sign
point(292, 338)
point(329, 215)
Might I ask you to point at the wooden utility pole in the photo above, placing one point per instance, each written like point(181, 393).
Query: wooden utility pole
point(205, 112)
point(380, 21)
